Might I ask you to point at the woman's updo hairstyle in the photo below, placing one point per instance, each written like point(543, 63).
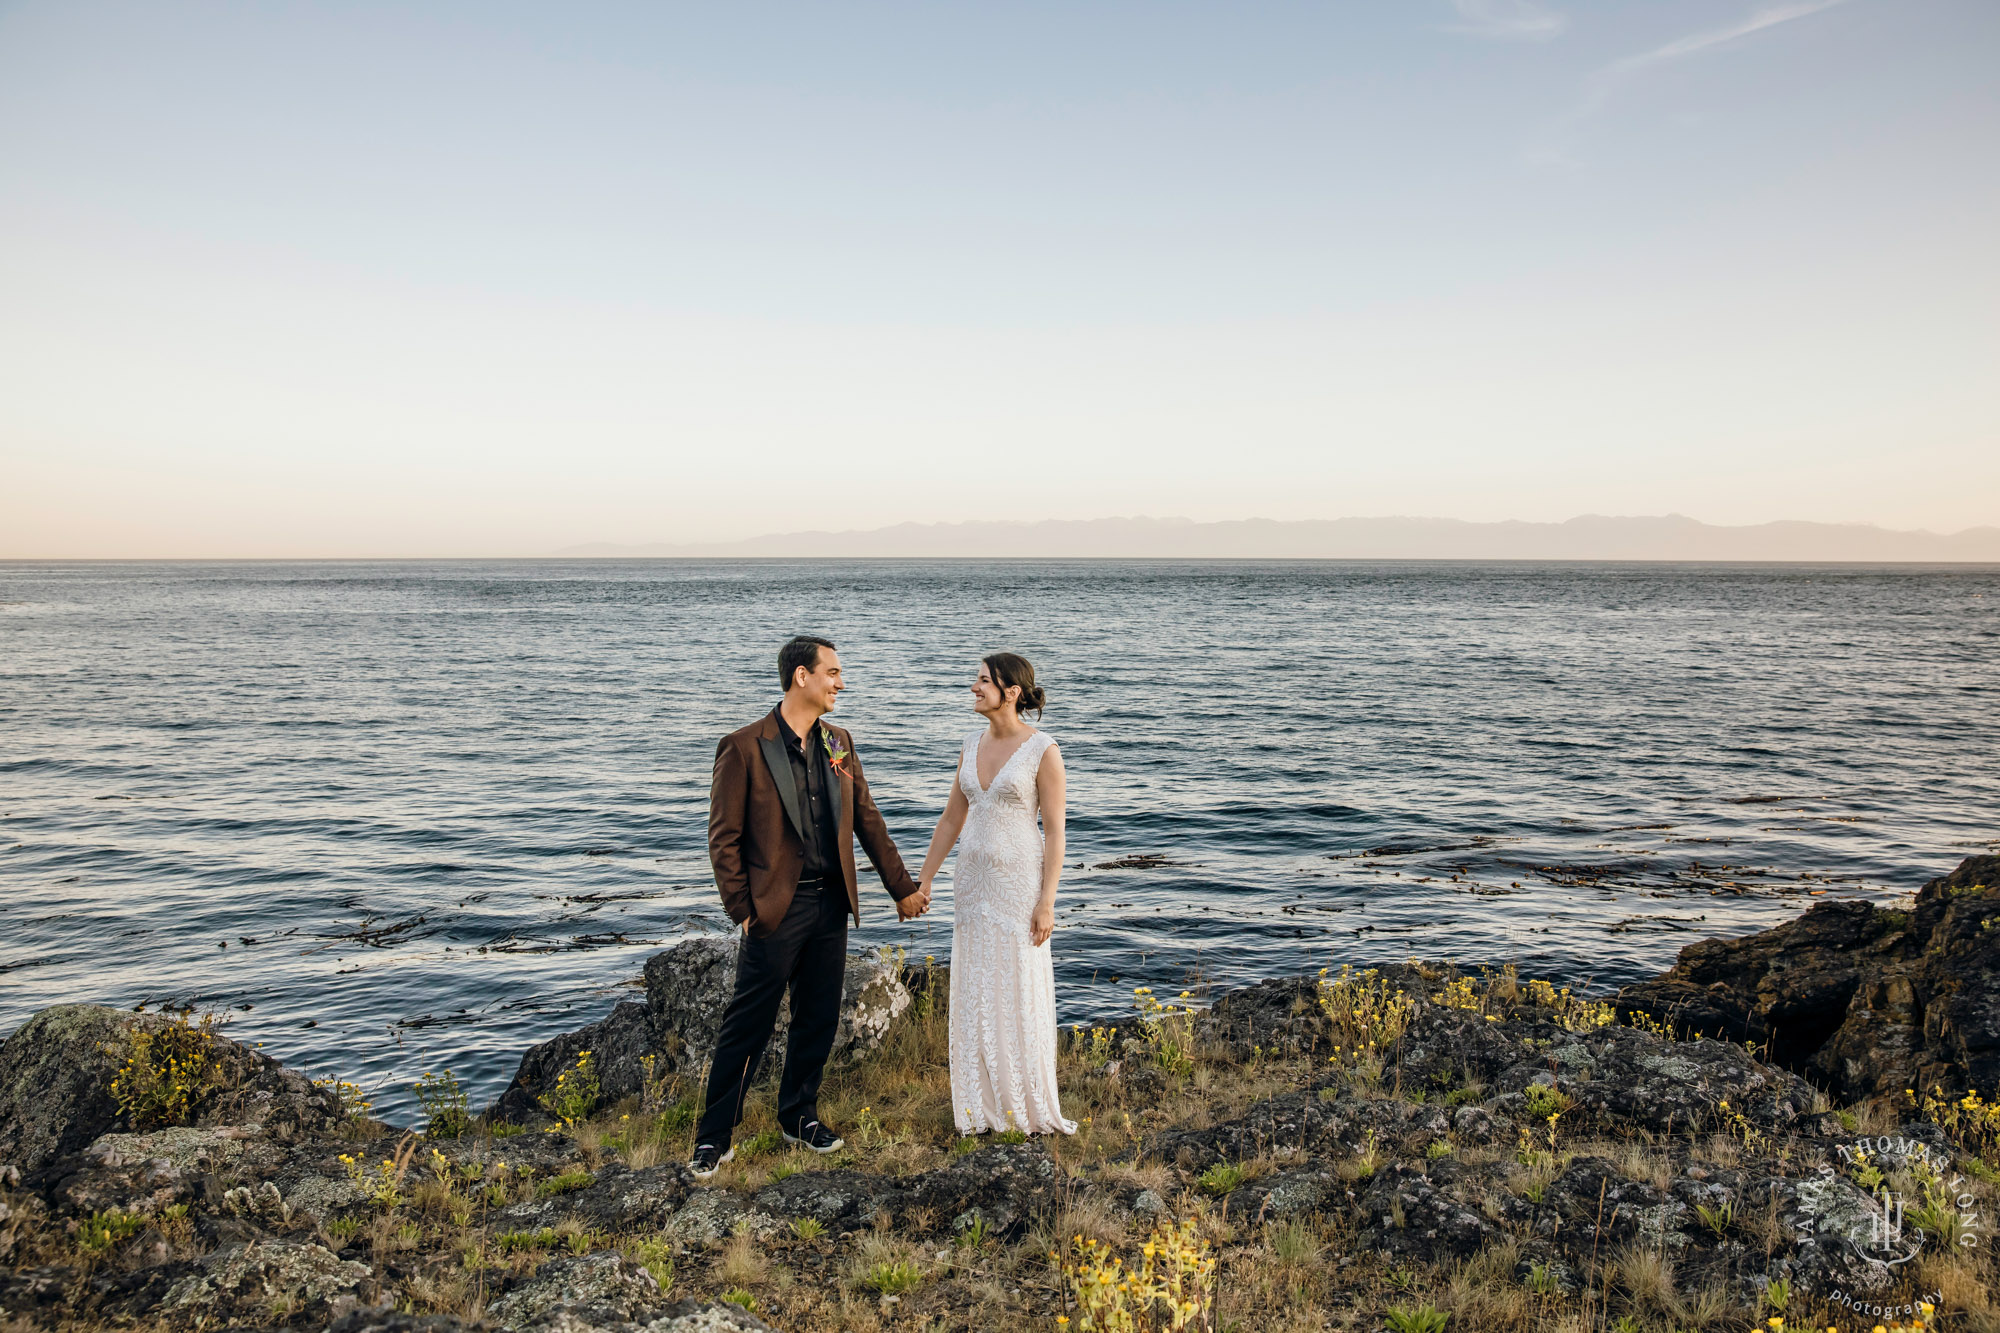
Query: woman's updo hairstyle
point(1013, 669)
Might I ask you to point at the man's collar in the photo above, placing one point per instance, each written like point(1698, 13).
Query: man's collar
point(785, 728)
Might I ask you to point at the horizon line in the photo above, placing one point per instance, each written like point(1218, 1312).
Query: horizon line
point(1586, 538)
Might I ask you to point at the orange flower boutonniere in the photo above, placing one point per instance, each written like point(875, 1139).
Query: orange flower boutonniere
point(835, 754)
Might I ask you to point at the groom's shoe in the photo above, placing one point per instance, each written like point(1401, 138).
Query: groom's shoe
point(708, 1159)
point(812, 1134)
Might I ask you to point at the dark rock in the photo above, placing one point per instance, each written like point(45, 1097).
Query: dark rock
point(687, 988)
point(1404, 1213)
point(1590, 1203)
point(1866, 1001)
point(55, 1086)
point(1787, 987)
point(617, 1200)
point(685, 1316)
point(28, 1289)
point(596, 1289)
point(1298, 1193)
point(1279, 1016)
point(1616, 1072)
point(386, 1319)
point(839, 1200)
point(1298, 1124)
point(1006, 1186)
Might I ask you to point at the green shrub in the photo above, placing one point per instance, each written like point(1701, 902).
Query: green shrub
point(446, 1115)
point(525, 1240)
point(1416, 1319)
point(761, 1145)
point(102, 1231)
point(893, 1279)
point(575, 1094)
point(564, 1184)
point(657, 1258)
point(1222, 1178)
point(167, 1072)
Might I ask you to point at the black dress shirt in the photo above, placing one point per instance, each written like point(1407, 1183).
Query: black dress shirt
point(812, 774)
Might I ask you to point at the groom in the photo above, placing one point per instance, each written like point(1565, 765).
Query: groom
point(784, 807)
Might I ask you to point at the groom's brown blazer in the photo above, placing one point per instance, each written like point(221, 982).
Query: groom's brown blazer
point(754, 822)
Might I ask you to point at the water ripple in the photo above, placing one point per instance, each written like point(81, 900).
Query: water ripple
point(392, 816)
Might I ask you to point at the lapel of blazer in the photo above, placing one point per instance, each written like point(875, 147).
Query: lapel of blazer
point(780, 765)
point(843, 810)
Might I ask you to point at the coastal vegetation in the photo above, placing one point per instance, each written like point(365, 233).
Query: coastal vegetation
point(1414, 1147)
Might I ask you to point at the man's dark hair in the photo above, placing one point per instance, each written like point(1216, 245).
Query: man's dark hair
point(800, 652)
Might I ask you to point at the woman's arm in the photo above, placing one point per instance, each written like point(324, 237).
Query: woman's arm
point(1052, 787)
point(946, 834)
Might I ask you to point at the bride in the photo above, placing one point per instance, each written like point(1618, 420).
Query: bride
point(1003, 988)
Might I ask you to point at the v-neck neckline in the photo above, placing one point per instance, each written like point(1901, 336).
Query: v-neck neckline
point(986, 788)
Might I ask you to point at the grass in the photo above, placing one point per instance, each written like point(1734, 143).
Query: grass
point(103, 1231)
point(542, 1239)
point(1222, 1178)
point(1718, 1218)
point(565, 1183)
point(894, 1278)
point(656, 1257)
point(761, 1144)
point(1415, 1319)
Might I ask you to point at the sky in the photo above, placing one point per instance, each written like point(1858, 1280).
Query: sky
point(288, 279)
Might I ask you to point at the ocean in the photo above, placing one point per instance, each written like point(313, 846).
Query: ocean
point(402, 816)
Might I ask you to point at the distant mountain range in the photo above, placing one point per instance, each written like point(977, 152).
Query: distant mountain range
point(1590, 537)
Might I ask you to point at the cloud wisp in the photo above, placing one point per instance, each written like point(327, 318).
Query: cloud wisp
point(1601, 83)
point(1507, 20)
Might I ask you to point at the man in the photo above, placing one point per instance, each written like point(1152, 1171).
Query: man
point(785, 805)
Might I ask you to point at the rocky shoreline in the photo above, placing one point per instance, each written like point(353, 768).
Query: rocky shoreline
point(1412, 1147)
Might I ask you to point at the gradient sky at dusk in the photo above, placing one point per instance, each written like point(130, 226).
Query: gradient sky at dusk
point(348, 279)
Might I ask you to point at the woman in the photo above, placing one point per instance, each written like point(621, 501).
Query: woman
point(1003, 985)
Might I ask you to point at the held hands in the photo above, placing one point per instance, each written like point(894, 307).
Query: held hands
point(1042, 924)
point(916, 904)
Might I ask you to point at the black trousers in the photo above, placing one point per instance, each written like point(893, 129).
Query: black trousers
point(807, 952)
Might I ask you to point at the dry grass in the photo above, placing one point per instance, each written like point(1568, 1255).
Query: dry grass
point(1091, 1217)
point(1144, 1175)
point(1646, 1277)
point(644, 1151)
point(742, 1263)
point(1961, 1281)
point(1637, 1161)
point(589, 1139)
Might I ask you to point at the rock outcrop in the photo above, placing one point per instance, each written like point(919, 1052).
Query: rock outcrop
point(1494, 1127)
point(687, 988)
point(56, 1072)
point(1865, 1001)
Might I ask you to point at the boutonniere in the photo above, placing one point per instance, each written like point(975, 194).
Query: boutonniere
point(836, 755)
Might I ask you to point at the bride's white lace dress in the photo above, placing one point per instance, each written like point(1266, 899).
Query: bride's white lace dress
point(1003, 989)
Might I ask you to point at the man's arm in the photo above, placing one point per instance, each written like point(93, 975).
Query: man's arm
point(874, 835)
point(728, 806)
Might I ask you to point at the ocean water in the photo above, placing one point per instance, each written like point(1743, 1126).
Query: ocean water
point(393, 817)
